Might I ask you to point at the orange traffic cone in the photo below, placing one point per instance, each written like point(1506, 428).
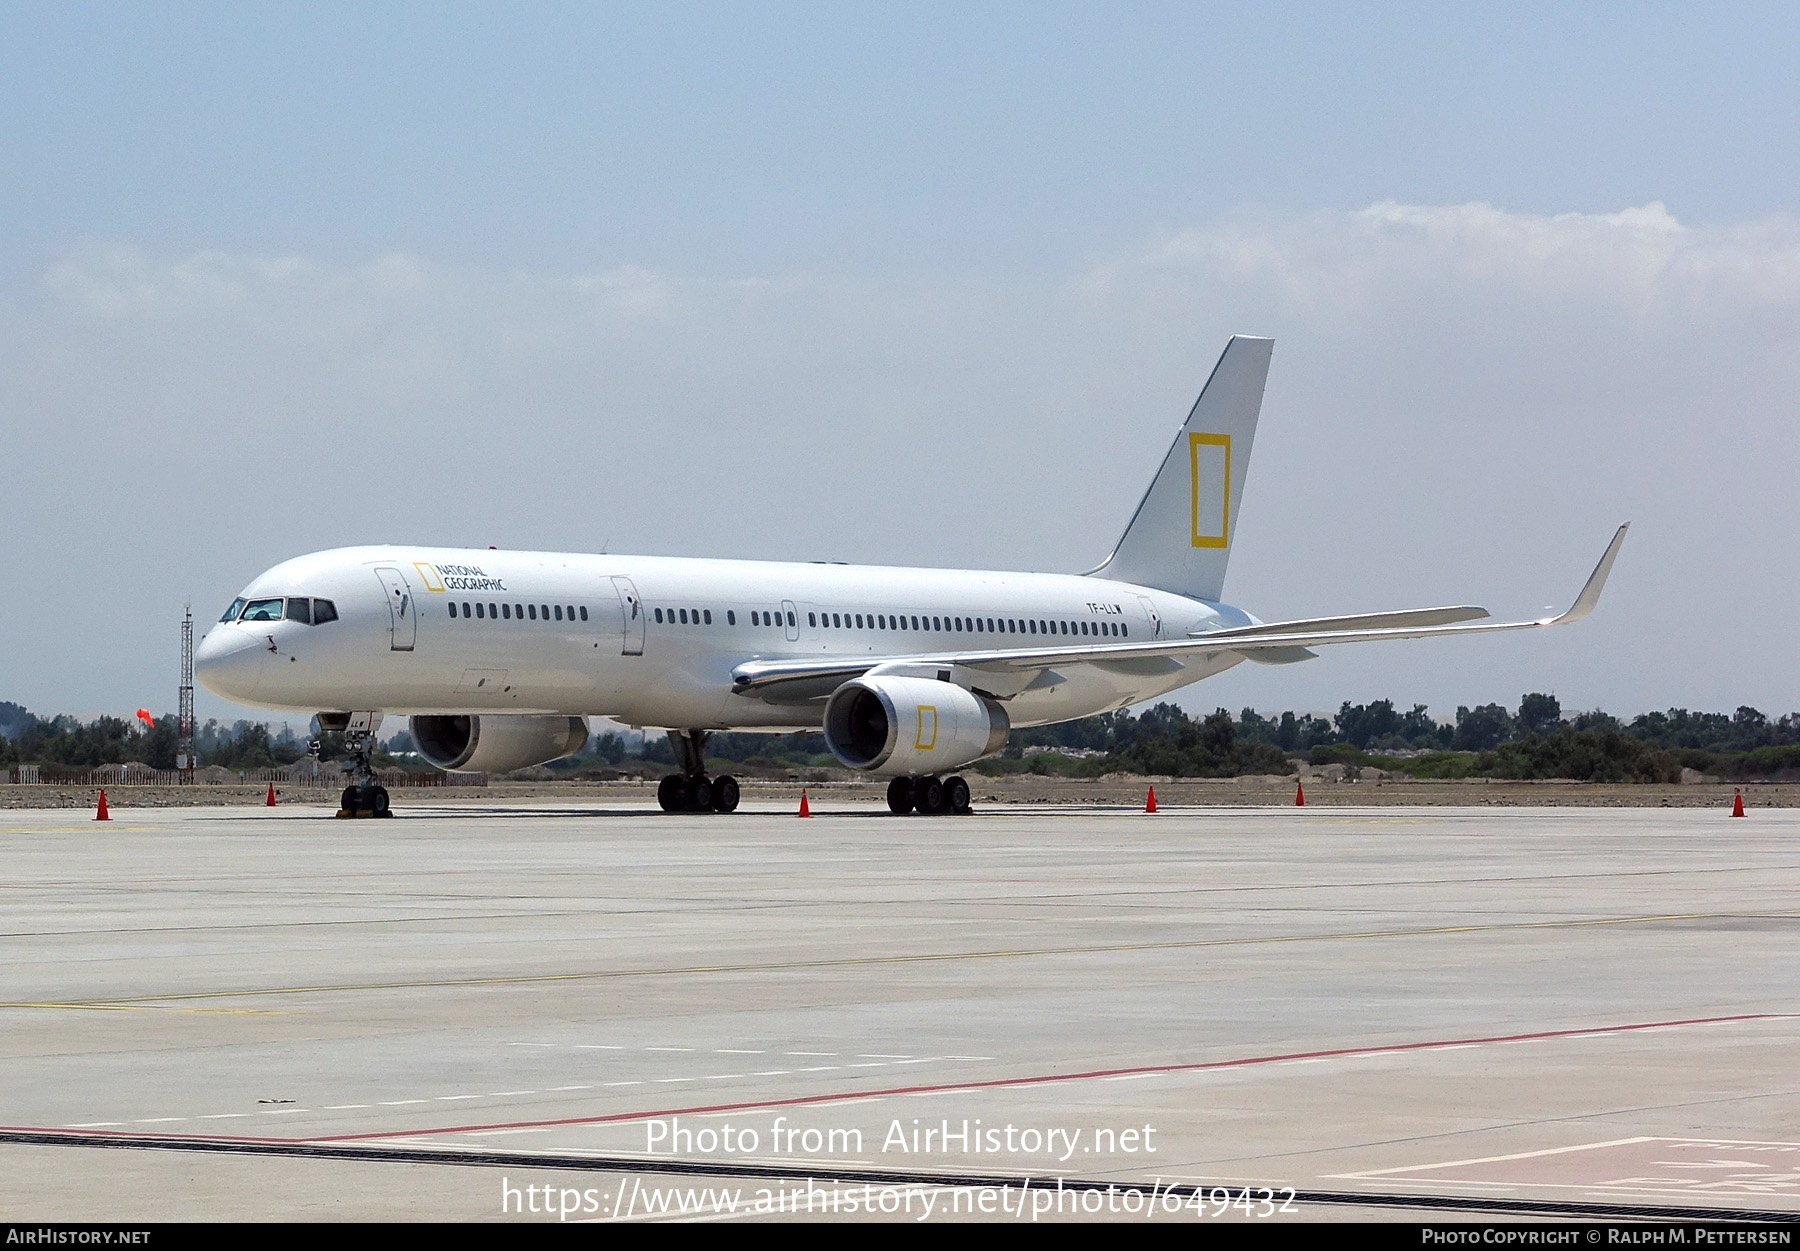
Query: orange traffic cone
point(1299, 794)
point(100, 812)
point(270, 801)
point(1150, 800)
point(805, 808)
point(1737, 802)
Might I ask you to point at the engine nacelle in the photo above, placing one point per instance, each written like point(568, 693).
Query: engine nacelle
point(496, 744)
point(897, 726)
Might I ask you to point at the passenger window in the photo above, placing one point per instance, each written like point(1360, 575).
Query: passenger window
point(493, 611)
point(730, 616)
point(684, 620)
point(1124, 629)
point(453, 610)
point(479, 613)
point(519, 611)
point(559, 612)
point(506, 611)
point(812, 620)
point(532, 608)
point(859, 621)
point(708, 615)
point(793, 619)
point(231, 614)
point(659, 616)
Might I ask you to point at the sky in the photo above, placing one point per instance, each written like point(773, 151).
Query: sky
point(917, 284)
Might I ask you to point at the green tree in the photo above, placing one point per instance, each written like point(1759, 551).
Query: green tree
point(1538, 714)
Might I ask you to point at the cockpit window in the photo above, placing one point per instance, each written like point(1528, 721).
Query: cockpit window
point(263, 610)
point(299, 610)
point(324, 610)
point(231, 614)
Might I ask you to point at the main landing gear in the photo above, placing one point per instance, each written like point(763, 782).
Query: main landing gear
point(364, 797)
point(928, 796)
point(691, 790)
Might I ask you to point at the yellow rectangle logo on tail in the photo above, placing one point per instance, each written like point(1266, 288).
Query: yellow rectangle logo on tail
point(1209, 462)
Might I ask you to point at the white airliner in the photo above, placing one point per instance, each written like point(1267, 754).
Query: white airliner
point(500, 657)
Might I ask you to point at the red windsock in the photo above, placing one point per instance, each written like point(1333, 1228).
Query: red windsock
point(270, 801)
point(1299, 794)
point(1150, 800)
point(805, 808)
point(100, 812)
point(1737, 803)
point(144, 716)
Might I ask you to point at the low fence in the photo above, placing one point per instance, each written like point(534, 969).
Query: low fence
point(140, 775)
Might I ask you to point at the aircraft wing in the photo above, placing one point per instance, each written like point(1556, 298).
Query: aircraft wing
point(784, 681)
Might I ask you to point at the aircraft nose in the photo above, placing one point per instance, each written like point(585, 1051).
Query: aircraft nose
point(229, 663)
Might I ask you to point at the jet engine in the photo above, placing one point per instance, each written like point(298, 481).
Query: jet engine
point(899, 726)
point(496, 744)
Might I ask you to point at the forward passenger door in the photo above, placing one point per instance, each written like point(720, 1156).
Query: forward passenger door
point(402, 620)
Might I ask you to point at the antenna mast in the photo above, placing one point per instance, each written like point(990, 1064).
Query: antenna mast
point(184, 729)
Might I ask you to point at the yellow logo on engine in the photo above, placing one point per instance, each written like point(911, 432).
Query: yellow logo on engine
point(926, 739)
point(1209, 528)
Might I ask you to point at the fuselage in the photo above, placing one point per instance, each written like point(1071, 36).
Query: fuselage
point(652, 641)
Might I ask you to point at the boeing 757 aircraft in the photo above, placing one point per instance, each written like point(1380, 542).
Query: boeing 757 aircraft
point(500, 657)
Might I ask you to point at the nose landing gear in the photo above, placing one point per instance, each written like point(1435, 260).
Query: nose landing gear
point(364, 797)
point(928, 796)
point(691, 790)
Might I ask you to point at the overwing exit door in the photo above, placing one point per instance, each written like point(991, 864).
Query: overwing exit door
point(631, 616)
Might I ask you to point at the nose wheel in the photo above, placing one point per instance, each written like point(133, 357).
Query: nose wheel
point(364, 801)
point(364, 797)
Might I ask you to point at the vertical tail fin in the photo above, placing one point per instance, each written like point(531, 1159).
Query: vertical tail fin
point(1180, 537)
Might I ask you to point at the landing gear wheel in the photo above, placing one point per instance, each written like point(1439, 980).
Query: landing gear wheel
point(352, 799)
point(378, 801)
point(928, 795)
point(900, 796)
point(699, 794)
point(671, 793)
point(725, 794)
point(956, 796)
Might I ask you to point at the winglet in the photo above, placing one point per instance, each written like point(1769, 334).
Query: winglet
point(1590, 594)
